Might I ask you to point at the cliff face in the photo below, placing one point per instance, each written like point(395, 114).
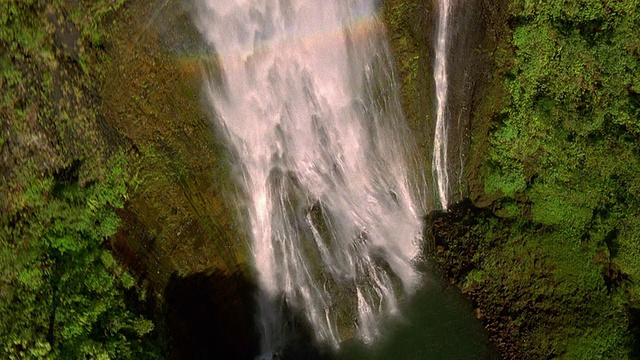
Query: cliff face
point(527, 270)
point(179, 218)
point(542, 246)
point(479, 30)
point(180, 234)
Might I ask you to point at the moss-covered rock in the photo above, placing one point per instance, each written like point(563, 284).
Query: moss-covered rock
point(536, 293)
point(179, 219)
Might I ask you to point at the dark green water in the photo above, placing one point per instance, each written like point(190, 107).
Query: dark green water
point(436, 323)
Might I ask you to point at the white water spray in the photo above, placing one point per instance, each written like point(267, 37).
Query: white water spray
point(440, 169)
point(306, 98)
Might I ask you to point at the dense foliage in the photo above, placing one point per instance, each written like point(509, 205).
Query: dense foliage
point(62, 294)
point(561, 259)
point(554, 265)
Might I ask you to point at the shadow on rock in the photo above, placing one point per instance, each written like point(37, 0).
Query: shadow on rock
point(211, 315)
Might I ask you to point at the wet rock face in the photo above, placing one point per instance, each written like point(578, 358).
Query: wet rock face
point(479, 100)
point(465, 65)
point(478, 28)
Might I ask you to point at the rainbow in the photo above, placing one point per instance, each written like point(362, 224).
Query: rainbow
point(365, 25)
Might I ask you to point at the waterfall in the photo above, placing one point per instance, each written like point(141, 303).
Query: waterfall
point(304, 93)
point(440, 169)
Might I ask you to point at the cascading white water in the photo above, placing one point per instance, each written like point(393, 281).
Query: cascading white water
point(306, 99)
point(440, 169)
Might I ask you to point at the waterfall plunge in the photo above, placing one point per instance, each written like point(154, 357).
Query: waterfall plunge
point(307, 102)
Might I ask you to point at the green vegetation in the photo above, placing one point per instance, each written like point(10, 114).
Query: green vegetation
point(407, 24)
point(554, 266)
point(552, 261)
point(566, 159)
point(401, 24)
point(62, 293)
point(107, 161)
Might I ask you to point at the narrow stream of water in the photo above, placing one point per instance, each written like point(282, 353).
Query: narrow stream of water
point(441, 77)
